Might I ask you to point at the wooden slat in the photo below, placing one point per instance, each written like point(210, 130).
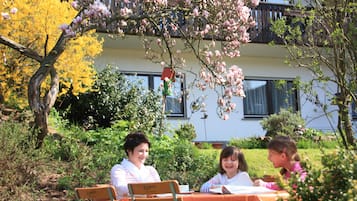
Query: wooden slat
point(97, 193)
point(148, 191)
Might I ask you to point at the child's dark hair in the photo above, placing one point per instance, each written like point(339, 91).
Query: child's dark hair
point(133, 140)
point(235, 153)
point(284, 144)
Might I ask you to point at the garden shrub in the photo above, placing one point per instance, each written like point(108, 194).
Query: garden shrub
point(114, 99)
point(180, 159)
point(337, 180)
point(186, 131)
point(306, 140)
point(249, 143)
point(283, 123)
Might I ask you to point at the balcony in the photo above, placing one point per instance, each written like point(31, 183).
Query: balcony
point(263, 14)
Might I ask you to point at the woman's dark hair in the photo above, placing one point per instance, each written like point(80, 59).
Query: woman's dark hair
point(133, 140)
point(235, 153)
point(284, 144)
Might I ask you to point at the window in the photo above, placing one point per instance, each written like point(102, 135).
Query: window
point(265, 97)
point(174, 106)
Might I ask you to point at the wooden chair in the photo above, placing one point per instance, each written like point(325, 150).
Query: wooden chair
point(102, 192)
point(149, 191)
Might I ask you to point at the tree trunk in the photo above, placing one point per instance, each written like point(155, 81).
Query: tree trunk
point(42, 106)
point(344, 120)
point(347, 125)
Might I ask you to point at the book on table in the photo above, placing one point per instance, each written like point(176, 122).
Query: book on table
point(231, 189)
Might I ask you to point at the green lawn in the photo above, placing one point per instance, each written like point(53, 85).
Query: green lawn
point(259, 165)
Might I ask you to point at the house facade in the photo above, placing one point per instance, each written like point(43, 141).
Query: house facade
point(263, 67)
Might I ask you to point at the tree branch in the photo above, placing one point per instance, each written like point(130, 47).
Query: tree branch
point(22, 49)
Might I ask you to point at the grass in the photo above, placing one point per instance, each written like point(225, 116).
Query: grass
point(259, 165)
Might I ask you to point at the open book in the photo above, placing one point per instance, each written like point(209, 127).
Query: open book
point(230, 189)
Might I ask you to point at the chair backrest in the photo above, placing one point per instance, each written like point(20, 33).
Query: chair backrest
point(150, 189)
point(96, 193)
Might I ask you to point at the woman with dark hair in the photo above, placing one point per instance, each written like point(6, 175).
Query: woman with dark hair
point(232, 170)
point(132, 168)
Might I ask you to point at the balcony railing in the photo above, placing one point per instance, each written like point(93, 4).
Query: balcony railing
point(263, 14)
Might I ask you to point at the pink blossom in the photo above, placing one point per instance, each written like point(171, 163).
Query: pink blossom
point(77, 20)
point(255, 3)
point(161, 2)
point(5, 16)
point(63, 27)
point(221, 102)
point(195, 12)
point(75, 5)
point(225, 19)
point(233, 106)
point(228, 92)
point(13, 10)
point(225, 117)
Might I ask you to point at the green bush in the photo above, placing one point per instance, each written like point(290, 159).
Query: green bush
point(186, 131)
point(302, 142)
point(337, 180)
point(180, 159)
point(114, 99)
point(284, 123)
point(249, 143)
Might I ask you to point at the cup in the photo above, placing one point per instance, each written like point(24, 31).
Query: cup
point(184, 188)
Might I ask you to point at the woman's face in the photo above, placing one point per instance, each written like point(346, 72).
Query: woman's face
point(230, 166)
point(139, 154)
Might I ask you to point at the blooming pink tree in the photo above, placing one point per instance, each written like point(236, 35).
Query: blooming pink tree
point(213, 30)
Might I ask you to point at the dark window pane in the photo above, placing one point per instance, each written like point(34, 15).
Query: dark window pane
point(264, 97)
point(282, 96)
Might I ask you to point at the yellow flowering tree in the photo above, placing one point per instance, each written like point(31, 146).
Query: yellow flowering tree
point(35, 26)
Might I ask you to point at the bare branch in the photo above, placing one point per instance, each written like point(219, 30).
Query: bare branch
point(22, 49)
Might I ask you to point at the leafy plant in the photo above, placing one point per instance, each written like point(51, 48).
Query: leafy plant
point(115, 99)
point(249, 143)
point(180, 159)
point(283, 123)
point(337, 180)
point(186, 131)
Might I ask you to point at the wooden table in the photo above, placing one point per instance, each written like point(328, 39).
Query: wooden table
point(230, 197)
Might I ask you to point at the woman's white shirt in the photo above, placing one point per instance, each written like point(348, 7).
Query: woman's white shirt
point(126, 172)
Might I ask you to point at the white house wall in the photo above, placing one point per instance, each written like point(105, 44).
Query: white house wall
point(257, 60)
